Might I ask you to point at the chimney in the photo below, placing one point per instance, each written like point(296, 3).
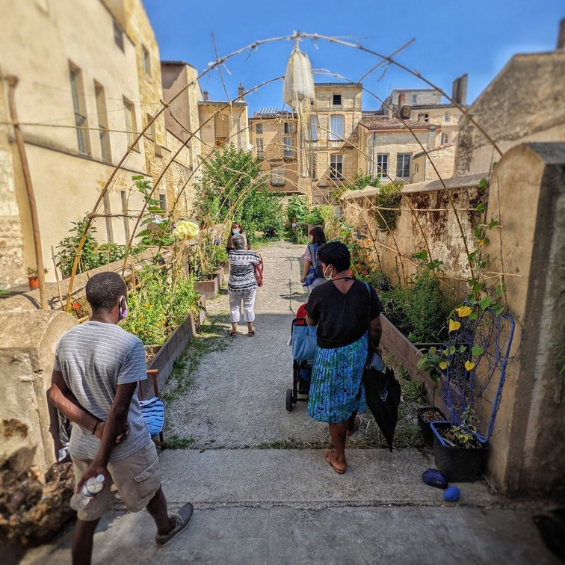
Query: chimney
point(432, 133)
point(561, 36)
point(240, 92)
point(205, 95)
point(459, 91)
point(405, 112)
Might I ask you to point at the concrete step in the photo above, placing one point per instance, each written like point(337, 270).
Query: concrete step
point(301, 478)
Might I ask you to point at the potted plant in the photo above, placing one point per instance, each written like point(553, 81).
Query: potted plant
point(32, 277)
point(459, 454)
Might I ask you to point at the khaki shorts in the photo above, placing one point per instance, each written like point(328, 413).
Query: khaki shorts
point(137, 478)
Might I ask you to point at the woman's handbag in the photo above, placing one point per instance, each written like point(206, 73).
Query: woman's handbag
point(258, 270)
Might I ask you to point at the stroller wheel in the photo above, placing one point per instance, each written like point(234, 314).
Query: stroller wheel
point(289, 399)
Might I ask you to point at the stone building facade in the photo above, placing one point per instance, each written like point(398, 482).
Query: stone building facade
point(387, 145)
point(316, 153)
point(443, 159)
point(76, 102)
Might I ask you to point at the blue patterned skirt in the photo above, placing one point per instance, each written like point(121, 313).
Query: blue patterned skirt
point(336, 378)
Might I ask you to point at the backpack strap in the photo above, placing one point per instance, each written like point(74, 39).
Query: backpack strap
point(313, 251)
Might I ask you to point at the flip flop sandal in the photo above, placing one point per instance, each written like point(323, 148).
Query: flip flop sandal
point(356, 425)
point(328, 458)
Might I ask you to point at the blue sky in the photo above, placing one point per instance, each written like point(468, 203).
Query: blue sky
point(452, 37)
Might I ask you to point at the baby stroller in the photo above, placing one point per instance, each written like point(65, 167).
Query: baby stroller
point(303, 346)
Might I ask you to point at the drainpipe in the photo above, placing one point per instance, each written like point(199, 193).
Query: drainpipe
point(12, 83)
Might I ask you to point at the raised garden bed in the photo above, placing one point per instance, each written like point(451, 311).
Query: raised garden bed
point(208, 288)
point(169, 352)
point(408, 355)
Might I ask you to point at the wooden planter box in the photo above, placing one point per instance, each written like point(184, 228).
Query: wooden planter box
point(170, 351)
point(407, 354)
point(208, 288)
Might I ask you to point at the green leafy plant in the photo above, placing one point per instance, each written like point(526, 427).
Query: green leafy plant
point(157, 229)
point(462, 435)
point(388, 197)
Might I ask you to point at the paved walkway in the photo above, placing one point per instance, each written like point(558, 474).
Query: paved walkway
point(260, 504)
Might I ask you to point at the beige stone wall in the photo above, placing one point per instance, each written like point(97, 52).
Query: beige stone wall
point(26, 361)
point(11, 236)
point(432, 220)
point(443, 160)
point(236, 118)
point(524, 103)
point(528, 196)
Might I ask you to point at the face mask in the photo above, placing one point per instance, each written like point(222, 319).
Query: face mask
point(235, 231)
point(326, 276)
point(123, 309)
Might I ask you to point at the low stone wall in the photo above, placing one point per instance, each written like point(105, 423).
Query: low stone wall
point(426, 220)
point(27, 353)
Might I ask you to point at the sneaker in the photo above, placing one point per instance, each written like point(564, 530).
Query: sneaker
point(183, 518)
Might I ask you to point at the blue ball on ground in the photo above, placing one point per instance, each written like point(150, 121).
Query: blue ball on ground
point(434, 478)
point(452, 494)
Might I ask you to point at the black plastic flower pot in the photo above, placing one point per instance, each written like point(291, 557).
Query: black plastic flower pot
point(457, 464)
point(424, 421)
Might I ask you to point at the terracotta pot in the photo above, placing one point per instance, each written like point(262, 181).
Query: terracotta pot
point(33, 281)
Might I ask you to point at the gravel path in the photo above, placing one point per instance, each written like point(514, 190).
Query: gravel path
point(238, 394)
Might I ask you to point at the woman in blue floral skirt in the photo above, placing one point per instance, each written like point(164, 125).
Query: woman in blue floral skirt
point(341, 309)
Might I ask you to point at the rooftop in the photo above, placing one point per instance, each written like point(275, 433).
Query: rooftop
point(272, 113)
point(374, 123)
point(439, 148)
point(220, 103)
point(177, 63)
point(346, 84)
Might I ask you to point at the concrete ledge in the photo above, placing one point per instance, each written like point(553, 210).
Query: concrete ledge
point(302, 478)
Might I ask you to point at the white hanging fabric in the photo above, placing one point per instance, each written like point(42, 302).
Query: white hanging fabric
point(298, 81)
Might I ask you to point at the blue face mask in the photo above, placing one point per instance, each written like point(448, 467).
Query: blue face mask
point(235, 231)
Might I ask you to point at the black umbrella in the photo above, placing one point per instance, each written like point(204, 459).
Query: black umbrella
point(383, 397)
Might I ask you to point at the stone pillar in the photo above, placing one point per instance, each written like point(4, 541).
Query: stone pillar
point(527, 194)
point(26, 361)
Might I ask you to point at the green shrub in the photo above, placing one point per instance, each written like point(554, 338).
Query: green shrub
point(419, 309)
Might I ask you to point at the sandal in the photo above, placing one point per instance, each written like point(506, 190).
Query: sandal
point(251, 333)
point(233, 334)
point(356, 425)
point(328, 458)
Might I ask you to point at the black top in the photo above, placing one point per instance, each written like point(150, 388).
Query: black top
point(342, 318)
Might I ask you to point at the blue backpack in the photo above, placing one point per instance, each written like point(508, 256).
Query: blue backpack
point(313, 248)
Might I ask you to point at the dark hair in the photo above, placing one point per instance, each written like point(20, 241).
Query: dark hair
point(335, 253)
point(104, 290)
point(318, 235)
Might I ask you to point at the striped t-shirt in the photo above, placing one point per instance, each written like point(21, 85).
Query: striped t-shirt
point(242, 270)
point(96, 357)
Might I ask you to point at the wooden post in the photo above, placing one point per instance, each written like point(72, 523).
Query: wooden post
point(12, 83)
point(57, 276)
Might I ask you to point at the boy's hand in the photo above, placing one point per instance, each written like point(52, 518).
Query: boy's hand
point(100, 432)
point(93, 471)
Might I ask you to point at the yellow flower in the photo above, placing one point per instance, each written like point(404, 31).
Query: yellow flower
point(453, 325)
point(480, 241)
point(464, 311)
point(443, 365)
point(469, 365)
